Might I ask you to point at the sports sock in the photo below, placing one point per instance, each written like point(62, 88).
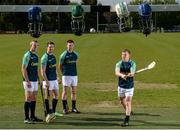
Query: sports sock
point(26, 109)
point(127, 118)
point(47, 106)
point(54, 104)
point(32, 107)
point(73, 104)
point(64, 103)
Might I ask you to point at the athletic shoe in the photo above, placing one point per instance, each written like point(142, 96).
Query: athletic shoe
point(36, 119)
point(47, 118)
point(27, 121)
point(53, 117)
point(65, 111)
point(125, 124)
point(75, 111)
point(50, 117)
point(58, 114)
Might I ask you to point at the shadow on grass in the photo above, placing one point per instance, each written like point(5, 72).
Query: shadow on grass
point(99, 119)
point(103, 119)
point(118, 114)
point(145, 114)
point(105, 122)
point(86, 123)
point(92, 118)
point(166, 124)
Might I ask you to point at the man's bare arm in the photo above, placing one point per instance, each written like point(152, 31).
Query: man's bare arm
point(59, 80)
point(119, 74)
point(131, 74)
point(24, 73)
point(43, 73)
point(60, 67)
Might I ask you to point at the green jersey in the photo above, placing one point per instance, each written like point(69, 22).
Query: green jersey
point(49, 62)
point(30, 60)
point(68, 61)
point(126, 67)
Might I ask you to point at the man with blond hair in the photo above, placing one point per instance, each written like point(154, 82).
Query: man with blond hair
point(30, 82)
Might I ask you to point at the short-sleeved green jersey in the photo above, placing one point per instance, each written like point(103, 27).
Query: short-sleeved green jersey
point(126, 67)
point(68, 61)
point(49, 62)
point(30, 60)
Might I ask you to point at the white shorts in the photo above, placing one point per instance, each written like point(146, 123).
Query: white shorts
point(125, 92)
point(34, 86)
point(69, 81)
point(53, 85)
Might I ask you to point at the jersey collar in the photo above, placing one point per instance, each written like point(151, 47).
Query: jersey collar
point(127, 61)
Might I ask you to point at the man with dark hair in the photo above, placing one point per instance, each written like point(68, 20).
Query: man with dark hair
point(30, 82)
point(68, 60)
point(50, 80)
point(125, 70)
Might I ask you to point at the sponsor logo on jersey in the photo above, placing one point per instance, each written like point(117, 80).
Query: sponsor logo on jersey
point(34, 64)
point(70, 61)
point(52, 66)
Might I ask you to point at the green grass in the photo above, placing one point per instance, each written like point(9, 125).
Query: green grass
point(156, 107)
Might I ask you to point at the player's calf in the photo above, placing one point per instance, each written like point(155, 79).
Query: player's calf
point(128, 112)
point(73, 98)
point(64, 101)
point(27, 106)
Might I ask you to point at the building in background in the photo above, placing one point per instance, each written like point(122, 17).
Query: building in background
point(76, 1)
point(103, 2)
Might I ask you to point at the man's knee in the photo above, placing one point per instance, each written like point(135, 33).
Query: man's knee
point(47, 97)
point(47, 94)
point(28, 97)
point(34, 95)
point(122, 100)
point(64, 92)
point(73, 92)
point(128, 99)
point(56, 95)
point(128, 103)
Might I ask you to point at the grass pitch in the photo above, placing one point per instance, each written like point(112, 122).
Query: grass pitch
point(157, 92)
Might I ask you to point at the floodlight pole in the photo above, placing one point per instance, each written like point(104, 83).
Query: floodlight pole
point(120, 25)
point(97, 22)
point(58, 20)
point(155, 18)
point(97, 19)
point(155, 22)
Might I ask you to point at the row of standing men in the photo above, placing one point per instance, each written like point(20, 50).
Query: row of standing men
point(50, 83)
point(124, 70)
